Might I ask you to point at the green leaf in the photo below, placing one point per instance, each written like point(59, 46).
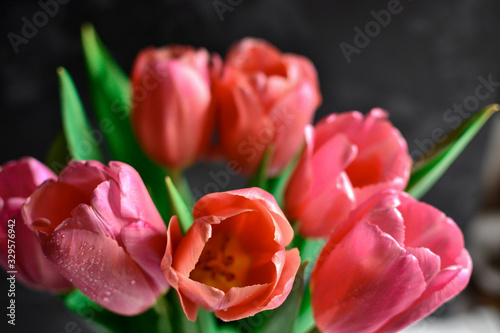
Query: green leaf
point(305, 320)
point(153, 320)
point(259, 178)
point(110, 91)
point(206, 321)
point(58, 155)
point(179, 206)
point(81, 142)
point(111, 96)
point(281, 318)
point(178, 320)
point(427, 171)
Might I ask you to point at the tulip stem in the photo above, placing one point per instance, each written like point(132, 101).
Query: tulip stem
point(179, 207)
point(182, 185)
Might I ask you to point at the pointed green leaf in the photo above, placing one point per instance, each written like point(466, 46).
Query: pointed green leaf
point(281, 318)
point(111, 96)
point(77, 130)
point(427, 171)
point(110, 91)
point(305, 321)
point(259, 178)
point(179, 206)
point(58, 155)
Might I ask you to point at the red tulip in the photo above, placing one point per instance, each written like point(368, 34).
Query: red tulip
point(391, 263)
point(18, 180)
point(172, 112)
point(232, 261)
point(99, 227)
point(264, 98)
point(347, 158)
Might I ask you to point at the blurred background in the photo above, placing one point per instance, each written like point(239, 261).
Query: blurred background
point(423, 64)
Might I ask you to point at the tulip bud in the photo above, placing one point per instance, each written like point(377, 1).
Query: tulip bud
point(264, 98)
point(172, 113)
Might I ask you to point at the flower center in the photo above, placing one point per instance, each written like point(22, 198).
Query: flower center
point(223, 263)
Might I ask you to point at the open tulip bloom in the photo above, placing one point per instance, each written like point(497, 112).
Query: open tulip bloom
point(329, 235)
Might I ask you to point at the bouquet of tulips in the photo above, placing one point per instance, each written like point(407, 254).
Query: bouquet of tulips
point(328, 235)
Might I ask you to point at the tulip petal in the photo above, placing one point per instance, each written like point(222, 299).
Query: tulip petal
point(32, 267)
point(85, 175)
point(285, 283)
point(445, 285)
point(375, 270)
point(102, 270)
point(51, 204)
point(135, 202)
point(289, 117)
point(189, 250)
point(428, 227)
point(20, 178)
point(134, 236)
point(269, 202)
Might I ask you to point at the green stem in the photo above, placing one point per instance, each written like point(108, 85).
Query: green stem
point(182, 186)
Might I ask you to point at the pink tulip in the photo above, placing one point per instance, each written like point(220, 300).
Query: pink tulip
point(347, 158)
point(172, 112)
point(99, 227)
point(18, 180)
point(392, 262)
point(264, 98)
point(232, 261)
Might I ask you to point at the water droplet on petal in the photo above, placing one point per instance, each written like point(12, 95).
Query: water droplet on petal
point(132, 282)
point(105, 299)
point(108, 293)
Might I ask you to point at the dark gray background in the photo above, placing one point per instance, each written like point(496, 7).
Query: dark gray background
point(428, 58)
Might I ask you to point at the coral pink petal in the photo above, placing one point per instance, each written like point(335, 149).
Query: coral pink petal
point(20, 178)
point(285, 282)
point(445, 285)
point(85, 175)
point(208, 297)
point(428, 227)
point(32, 267)
point(51, 204)
point(429, 262)
point(135, 201)
point(189, 249)
point(243, 302)
point(375, 270)
point(269, 202)
point(386, 216)
point(134, 236)
point(102, 270)
point(330, 160)
point(289, 116)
